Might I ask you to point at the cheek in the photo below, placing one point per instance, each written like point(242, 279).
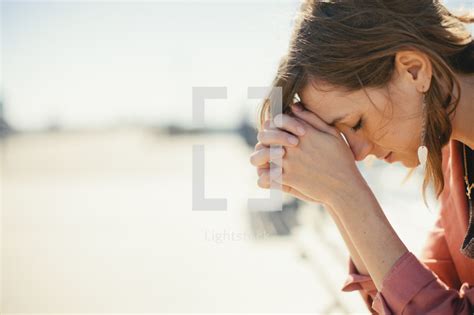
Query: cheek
point(384, 134)
point(403, 142)
point(394, 123)
point(398, 135)
point(406, 123)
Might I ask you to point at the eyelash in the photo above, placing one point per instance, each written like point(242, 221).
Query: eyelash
point(358, 125)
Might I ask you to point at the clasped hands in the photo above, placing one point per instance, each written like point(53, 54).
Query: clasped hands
point(310, 159)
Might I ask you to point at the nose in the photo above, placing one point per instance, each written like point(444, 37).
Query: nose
point(360, 146)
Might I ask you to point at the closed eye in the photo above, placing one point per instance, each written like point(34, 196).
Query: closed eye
point(357, 126)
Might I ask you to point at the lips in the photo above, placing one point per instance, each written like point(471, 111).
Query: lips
point(387, 157)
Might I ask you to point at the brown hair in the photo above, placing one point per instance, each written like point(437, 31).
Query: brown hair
point(352, 44)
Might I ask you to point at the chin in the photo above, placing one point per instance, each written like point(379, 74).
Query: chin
point(408, 163)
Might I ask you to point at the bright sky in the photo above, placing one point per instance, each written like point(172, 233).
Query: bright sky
point(90, 63)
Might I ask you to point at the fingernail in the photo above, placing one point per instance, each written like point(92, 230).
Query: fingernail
point(293, 140)
point(300, 130)
point(297, 107)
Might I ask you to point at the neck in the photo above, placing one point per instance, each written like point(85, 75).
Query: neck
point(463, 118)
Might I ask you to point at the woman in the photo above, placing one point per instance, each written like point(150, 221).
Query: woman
point(396, 79)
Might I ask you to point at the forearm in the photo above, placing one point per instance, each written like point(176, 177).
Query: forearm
point(371, 234)
point(359, 264)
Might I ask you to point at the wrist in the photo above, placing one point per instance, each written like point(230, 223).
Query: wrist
point(355, 193)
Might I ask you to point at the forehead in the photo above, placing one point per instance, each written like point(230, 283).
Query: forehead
point(327, 101)
point(317, 95)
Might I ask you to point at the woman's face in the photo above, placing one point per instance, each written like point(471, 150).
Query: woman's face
point(385, 122)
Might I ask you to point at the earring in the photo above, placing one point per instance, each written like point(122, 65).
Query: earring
point(422, 149)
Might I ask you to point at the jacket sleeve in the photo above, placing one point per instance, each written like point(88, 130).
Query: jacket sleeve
point(435, 274)
point(362, 283)
point(411, 288)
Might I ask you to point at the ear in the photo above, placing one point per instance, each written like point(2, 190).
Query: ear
point(414, 67)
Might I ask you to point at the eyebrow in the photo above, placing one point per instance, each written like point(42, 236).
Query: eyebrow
point(338, 119)
point(335, 121)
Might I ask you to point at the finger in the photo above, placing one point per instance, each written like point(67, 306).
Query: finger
point(290, 124)
point(270, 178)
point(277, 137)
point(259, 146)
point(262, 168)
point(264, 155)
point(264, 179)
point(313, 119)
point(268, 124)
point(264, 182)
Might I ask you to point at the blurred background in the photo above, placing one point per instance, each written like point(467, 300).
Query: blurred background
point(96, 165)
